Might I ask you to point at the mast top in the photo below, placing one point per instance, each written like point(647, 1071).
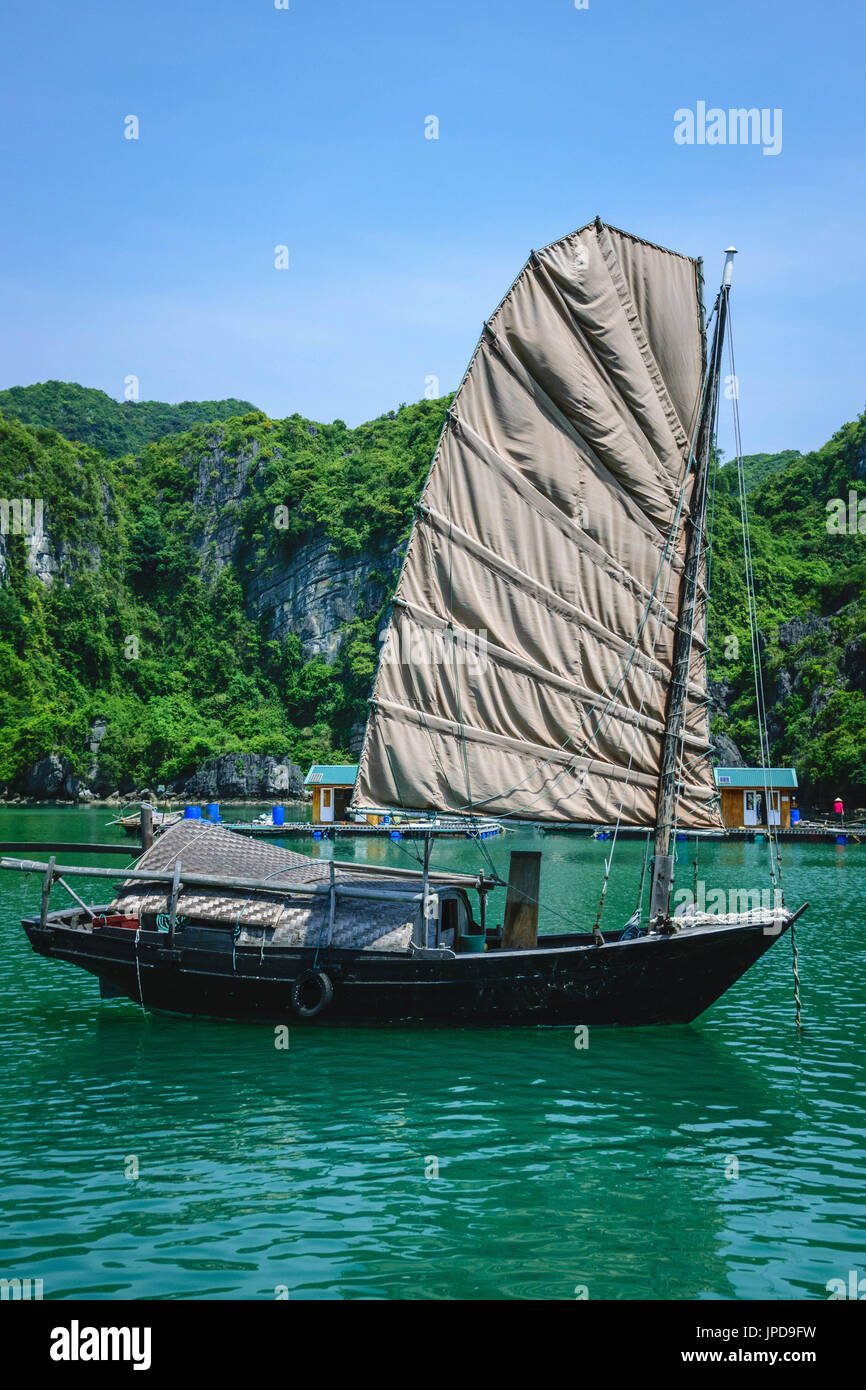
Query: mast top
point(730, 253)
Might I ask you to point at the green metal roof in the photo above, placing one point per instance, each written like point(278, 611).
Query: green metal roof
point(334, 775)
point(756, 777)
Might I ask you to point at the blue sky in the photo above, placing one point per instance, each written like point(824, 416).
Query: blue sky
point(305, 127)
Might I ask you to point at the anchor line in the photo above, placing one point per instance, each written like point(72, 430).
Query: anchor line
point(795, 957)
point(138, 964)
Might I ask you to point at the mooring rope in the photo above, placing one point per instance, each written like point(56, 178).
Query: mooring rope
point(138, 964)
point(795, 957)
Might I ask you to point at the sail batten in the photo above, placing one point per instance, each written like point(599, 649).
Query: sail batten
point(479, 654)
point(475, 553)
point(535, 496)
point(546, 558)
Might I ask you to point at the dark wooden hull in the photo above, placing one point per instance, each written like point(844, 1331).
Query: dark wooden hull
point(566, 980)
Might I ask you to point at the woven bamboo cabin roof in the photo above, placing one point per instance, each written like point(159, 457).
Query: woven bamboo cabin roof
point(273, 916)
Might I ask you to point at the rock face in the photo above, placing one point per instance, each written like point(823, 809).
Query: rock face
point(242, 777)
point(98, 730)
point(854, 662)
point(220, 487)
point(44, 558)
point(319, 591)
point(793, 632)
point(720, 693)
point(52, 778)
point(725, 751)
point(231, 777)
point(811, 636)
point(312, 594)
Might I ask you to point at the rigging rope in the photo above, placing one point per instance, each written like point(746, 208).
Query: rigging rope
point(631, 649)
point(631, 652)
point(665, 567)
point(754, 636)
point(688, 463)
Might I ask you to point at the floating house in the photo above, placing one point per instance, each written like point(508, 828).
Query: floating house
point(753, 796)
point(332, 787)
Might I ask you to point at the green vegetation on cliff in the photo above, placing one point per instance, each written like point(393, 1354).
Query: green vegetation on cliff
point(141, 626)
point(87, 416)
point(757, 467)
point(159, 555)
point(805, 570)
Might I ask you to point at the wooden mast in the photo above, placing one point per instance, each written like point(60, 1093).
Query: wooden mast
point(663, 861)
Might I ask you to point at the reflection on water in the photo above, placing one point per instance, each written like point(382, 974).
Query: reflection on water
point(314, 1167)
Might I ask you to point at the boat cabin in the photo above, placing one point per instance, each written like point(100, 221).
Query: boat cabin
point(751, 796)
point(332, 787)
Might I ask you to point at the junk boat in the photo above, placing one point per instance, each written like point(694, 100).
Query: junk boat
point(564, 521)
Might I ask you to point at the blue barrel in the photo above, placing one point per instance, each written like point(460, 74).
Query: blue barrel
point(192, 813)
point(317, 834)
point(213, 811)
point(841, 839)
point(279, 816)
point(795, 815)
point(395, 835)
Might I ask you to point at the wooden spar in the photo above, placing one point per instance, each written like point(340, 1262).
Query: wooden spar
point(265, 885)
point(380, 870)
point(63, 847)
point(146, 825)
point(520, 929)
point(73, 894)
point(433, 875)
point(663, 862)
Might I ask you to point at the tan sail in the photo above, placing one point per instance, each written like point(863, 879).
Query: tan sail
point(526, 668)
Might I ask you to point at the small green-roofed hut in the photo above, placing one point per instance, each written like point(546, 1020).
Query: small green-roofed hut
point(755, 796)
point(332, 785)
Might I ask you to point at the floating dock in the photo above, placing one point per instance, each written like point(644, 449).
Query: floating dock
point(413, 830)
point(825, 834)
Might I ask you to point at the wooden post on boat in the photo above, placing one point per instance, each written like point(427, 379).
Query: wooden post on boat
point(520, 930)
point(146, 825)
point(429, 906)
point(332, 900)
point(172, 901)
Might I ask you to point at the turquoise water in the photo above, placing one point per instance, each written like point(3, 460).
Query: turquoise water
point(313, 1170)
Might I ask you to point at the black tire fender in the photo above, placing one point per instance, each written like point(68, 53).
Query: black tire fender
point(312, 992)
